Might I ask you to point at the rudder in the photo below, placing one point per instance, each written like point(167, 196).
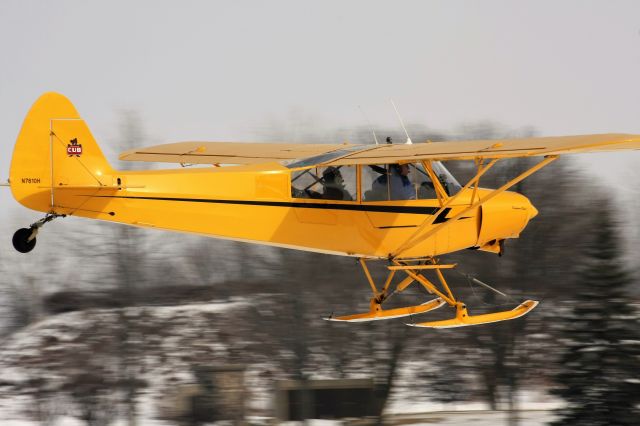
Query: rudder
point(55, 150)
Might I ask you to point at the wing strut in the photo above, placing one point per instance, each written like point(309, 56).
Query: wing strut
point(375, 304)
point(417, 239)
point(429, 220)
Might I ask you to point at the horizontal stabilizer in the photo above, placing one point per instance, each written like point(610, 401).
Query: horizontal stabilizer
point(463, 318)
point(381, 314)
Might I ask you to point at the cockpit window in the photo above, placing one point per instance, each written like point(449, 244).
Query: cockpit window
point(424, 185)
point(328, 183)
point(384, 182)
point(450, 184)
point(408, 181)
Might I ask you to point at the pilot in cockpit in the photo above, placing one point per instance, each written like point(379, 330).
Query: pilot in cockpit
point(334, 188)
point(400, 186)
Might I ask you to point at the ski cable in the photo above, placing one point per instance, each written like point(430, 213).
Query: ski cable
point(472, 279)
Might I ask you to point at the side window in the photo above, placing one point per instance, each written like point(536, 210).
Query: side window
point(385, 182)
point(375, 183)
point(423, 183)
point(327, 183)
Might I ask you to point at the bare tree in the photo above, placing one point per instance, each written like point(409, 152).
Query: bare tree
point(129, 274)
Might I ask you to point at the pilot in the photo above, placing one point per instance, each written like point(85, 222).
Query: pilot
point(334, 185)
point(400, 187)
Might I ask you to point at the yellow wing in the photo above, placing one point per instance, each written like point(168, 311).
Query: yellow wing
point(505, 148)
point(227, 152)
point(342, 154)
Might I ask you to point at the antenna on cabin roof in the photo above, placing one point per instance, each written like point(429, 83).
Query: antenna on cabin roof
point(401, 123)
point(375, 138)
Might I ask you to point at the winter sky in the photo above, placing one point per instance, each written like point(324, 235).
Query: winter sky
point(222, 70)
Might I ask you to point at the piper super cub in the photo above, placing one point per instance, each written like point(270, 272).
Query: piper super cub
point(393, 203)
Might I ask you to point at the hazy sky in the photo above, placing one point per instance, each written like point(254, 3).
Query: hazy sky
point(223, 70)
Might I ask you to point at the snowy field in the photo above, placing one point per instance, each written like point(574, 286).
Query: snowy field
point(475, 418)
point(23, 354)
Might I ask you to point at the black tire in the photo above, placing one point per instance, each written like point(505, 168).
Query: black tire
point(21, 240)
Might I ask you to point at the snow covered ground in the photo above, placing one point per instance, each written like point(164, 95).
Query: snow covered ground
point(175, 338)
point(444, 418)
point(451, 418)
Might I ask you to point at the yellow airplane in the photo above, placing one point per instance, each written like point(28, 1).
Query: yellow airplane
point(393, 203)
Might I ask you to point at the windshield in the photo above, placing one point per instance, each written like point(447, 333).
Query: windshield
point(445, 177)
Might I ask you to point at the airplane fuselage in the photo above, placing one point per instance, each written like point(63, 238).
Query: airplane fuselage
point(254, 203)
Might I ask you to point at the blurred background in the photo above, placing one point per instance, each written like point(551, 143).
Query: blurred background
point(103, 324)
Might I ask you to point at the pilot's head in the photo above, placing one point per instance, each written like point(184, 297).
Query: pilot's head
point(332, 175)
point(401, 169)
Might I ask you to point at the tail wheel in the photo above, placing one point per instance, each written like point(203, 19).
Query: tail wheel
point(21, 240)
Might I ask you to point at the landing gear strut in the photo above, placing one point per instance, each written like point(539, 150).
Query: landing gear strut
point(24, 240)
point(414, 273)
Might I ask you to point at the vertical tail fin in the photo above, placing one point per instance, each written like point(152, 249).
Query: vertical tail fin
point(54, 150)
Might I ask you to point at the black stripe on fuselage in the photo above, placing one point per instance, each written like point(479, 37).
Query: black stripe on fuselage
point(326, 206)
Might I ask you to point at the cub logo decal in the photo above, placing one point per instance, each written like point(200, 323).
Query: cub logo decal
point(74, 148)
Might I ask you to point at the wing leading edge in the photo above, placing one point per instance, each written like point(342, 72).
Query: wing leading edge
point(342, 154)
point(226, 152)
point(490, 149)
